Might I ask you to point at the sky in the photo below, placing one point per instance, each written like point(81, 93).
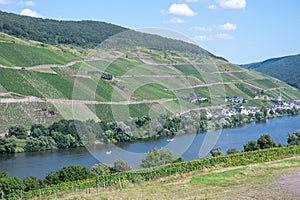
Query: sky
point(242, 31)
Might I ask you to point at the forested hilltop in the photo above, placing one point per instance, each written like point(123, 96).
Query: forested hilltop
point(81, 33)
point(88, 34)
point(285, 68)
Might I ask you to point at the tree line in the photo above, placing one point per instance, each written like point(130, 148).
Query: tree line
point(74, 133)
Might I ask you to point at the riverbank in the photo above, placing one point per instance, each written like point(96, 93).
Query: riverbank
point(118, 181)
point(70, 134)
point(187, 146)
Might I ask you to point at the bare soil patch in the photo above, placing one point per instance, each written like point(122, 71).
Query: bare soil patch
point(290, 182)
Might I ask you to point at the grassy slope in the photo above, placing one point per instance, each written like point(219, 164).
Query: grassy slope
point(13, 54)
point(249, 182)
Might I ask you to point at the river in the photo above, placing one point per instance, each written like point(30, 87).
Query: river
point(189, 146)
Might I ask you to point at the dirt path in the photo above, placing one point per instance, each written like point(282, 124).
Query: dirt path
point(80, 102)
point(203, 85)
point(290, 182)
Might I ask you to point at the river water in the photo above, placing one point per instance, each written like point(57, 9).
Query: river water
point(190, 147)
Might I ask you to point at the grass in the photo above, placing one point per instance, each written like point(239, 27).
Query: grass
point(153, 91)
point(243, 75)
point(250, 182)
point(122, 66)
point(226, 178)
point(19, 84)
point(189, 70)
point(31, 55)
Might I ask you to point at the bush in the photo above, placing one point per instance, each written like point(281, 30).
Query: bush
point(251, 146)
point(216, 152)
point(121, 166)
point(232, 151)
point(265, 141)
point(157, 157)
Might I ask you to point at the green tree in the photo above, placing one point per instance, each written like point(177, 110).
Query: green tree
point(157, 157)
point(232, 151)
point(31, 183)
point(216, 152)
point(121, 166)
point(294, 138)
point(51, 179)
point(18, 132)
point(251, 146)
point(73, 173)
point(3, 174)
point(7, 145)
point(265, 141)
point(101, 169)
point(11, 187)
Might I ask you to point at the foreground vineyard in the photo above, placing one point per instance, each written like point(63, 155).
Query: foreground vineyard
point(121, 180)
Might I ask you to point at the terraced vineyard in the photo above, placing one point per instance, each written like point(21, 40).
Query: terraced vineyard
point(142, 80)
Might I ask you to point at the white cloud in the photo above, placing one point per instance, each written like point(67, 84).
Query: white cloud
point(181, 9)
point(212, 37)
point(26, 3)
point(192, 1)
point(4, 2)
point(175, 20)
point(212, 7)
point(224, 36)
point(203, 37)
point(30, 13)
point(201, 28)
point(228, 27)
point(232, 4)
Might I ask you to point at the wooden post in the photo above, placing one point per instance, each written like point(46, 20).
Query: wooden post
point(120, 183)
point(104, 187)
point(21, 194)
point(98, 187)
point(56, 193)
point(40, 194)
point(2, 195)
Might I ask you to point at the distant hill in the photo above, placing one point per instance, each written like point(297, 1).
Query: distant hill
point(285, 68)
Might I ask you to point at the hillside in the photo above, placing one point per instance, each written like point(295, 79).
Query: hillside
point(86, 34)
point(130, 74)
point(25, 53)
point(285, 68)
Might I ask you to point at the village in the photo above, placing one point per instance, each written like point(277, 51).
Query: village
point(280, 106)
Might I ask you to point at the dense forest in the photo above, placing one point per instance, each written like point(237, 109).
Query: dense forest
point(89, 34)
point(80, 33)
point(286, 69)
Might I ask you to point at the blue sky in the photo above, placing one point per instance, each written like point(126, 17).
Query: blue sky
point(242, 31)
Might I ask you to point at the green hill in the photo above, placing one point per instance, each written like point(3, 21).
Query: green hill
point(87, 34)
point(131, 71)
point(13, 54)
point(286, 69)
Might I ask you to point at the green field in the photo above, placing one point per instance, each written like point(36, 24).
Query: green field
point(13, 54)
